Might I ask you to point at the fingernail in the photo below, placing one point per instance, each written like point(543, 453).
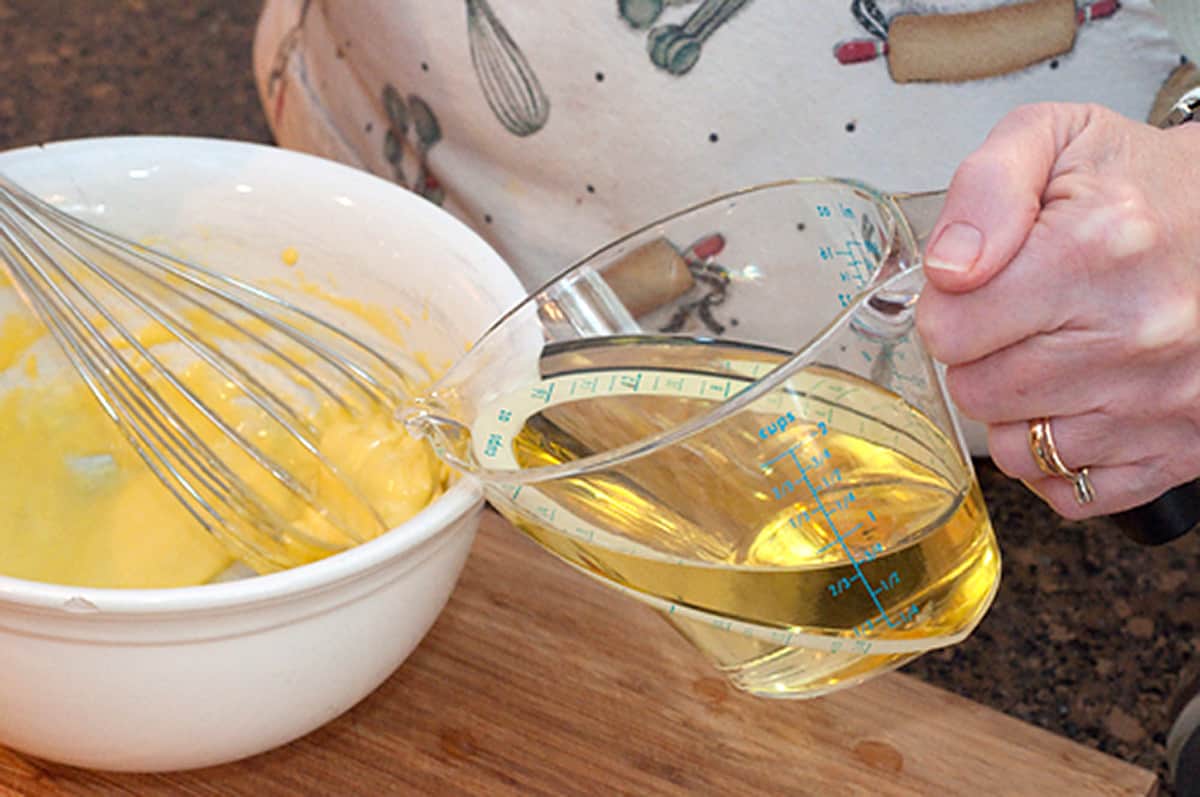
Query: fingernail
point(956, 248)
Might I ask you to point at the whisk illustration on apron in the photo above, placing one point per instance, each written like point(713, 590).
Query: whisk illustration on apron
point(509, 84)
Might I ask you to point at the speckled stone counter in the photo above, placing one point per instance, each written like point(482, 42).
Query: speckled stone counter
point(1089, 633)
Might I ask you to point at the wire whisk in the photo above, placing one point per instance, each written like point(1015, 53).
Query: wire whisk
point(213, 381)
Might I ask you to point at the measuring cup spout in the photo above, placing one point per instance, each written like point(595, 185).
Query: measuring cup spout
point(451, 439)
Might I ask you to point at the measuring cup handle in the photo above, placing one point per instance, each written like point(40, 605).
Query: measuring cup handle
point(1166, 518)
point(921, 210)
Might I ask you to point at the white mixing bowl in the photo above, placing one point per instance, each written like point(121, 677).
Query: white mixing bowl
point(178, 678)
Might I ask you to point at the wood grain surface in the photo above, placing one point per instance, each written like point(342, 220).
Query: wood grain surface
point(537, 680)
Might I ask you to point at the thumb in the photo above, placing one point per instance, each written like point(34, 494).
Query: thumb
point(995, 196)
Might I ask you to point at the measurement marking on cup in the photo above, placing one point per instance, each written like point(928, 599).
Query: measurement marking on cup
point(788, 486)
point(586, 385)
point(840, 540)
point(844, 583)
point(855, 267)
point(872, 552)
point(814, 423)
point(857, 527)
point(802, 518)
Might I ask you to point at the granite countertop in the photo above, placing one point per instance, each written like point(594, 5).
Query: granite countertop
point(1089, 633)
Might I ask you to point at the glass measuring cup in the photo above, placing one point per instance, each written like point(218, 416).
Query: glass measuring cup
point(729, 416)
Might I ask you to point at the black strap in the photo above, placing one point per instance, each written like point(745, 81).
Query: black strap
point(1166, 518)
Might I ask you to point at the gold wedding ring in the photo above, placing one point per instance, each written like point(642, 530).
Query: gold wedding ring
point(1045, 454)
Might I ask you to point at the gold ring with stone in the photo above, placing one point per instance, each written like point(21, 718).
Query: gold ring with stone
point(1045, 454)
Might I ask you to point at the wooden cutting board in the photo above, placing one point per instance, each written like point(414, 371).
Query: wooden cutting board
point(537, 680)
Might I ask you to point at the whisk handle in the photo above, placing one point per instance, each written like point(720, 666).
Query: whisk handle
point(1166, 518)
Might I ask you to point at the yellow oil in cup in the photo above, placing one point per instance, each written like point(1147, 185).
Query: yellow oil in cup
point(777, 470)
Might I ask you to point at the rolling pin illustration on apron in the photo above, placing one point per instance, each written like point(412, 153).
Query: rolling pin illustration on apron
point(957, 47)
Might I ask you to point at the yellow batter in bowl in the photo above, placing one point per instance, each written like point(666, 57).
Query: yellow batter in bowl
point(78, 505)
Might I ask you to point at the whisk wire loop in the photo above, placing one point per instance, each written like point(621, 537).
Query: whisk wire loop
point(125, 402)
point(241, 295)
point(150, 423)
point(53, 260)
point(248, 385)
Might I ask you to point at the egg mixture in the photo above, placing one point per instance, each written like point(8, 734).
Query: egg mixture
point(79, 506)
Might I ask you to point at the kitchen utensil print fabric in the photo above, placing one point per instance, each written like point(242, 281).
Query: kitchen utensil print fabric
point(554, 126)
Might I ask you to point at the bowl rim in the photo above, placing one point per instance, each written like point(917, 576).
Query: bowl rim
point(463, 497)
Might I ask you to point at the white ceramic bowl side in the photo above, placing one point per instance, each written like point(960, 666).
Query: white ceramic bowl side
point(152, 680)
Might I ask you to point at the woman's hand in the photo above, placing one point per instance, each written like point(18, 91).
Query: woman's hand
point(1064, 282)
